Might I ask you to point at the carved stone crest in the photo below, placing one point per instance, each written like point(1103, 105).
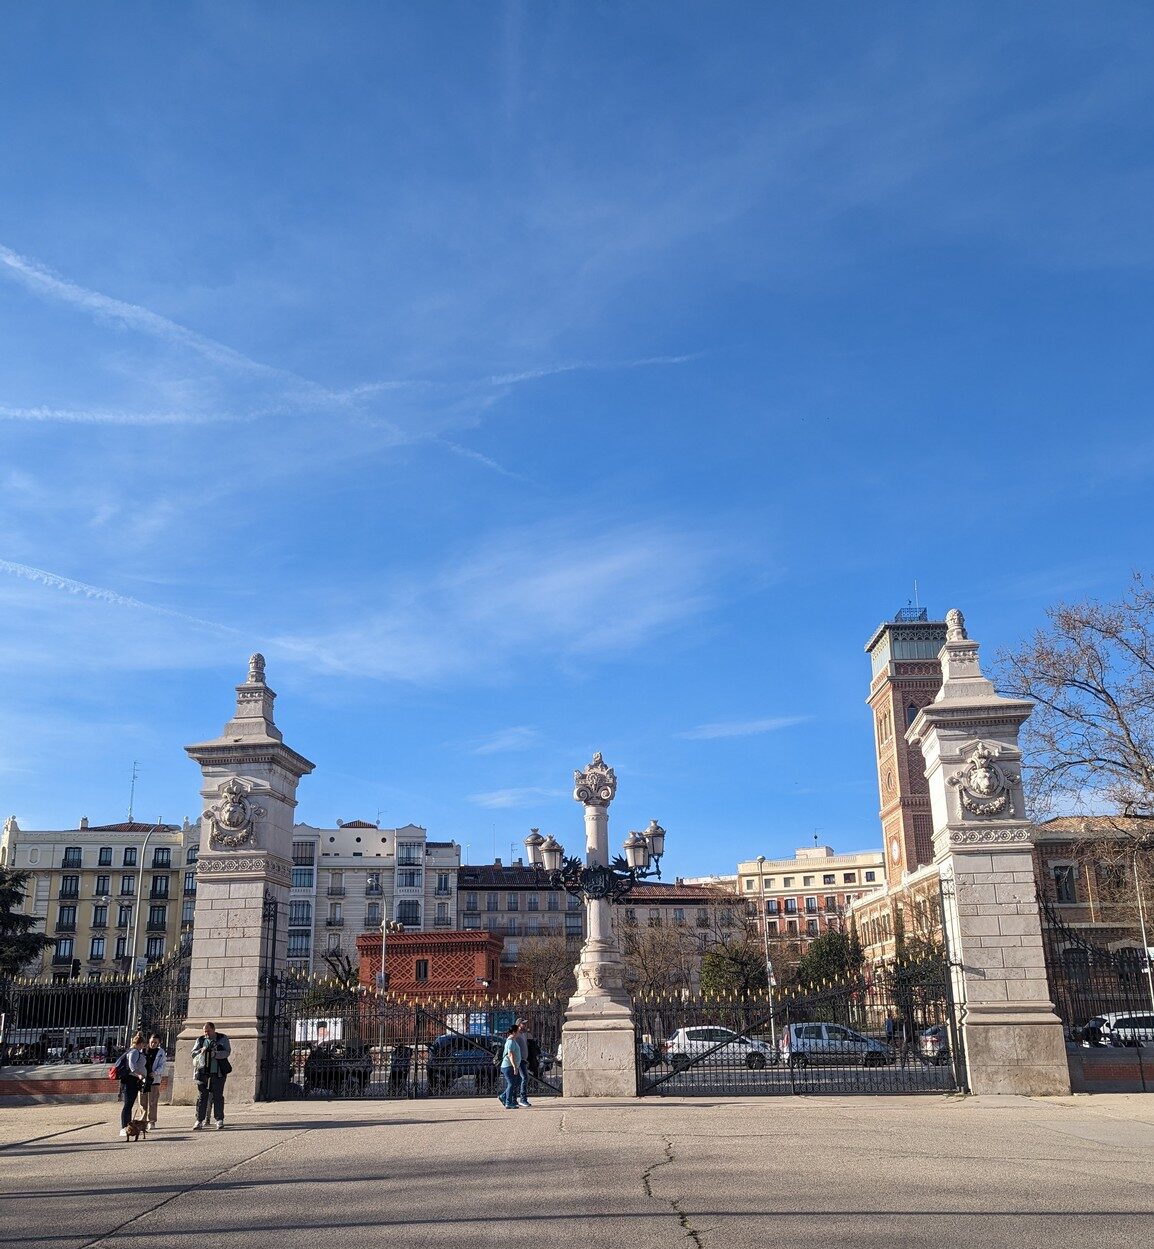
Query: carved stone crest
point(984, 785)
point(232, 816)
point(596, 785)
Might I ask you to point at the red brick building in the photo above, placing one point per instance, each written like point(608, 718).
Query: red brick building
point(432, 964)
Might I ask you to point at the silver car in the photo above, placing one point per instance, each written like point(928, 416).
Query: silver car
point(825, 1044)
point(714, 1046)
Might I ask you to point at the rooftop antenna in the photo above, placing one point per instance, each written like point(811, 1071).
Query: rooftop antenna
point(815, 833)
point(380, 812)
point(917, 600)
point(132, 790)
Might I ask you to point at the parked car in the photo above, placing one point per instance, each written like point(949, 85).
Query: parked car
point(934, 1045)
point(649, 1055)
point(338, 1067)
point(826, 1044)
point(456, 1055)
point(714, 1046)
point(1118, 1028)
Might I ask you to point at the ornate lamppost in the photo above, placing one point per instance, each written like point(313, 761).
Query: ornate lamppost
point(598, 1036)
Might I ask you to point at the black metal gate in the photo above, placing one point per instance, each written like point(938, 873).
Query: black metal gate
point(893, 1031)
point(89, 1020)
point(324, 1039)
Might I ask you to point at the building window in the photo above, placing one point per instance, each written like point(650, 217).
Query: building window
point(300, 913)
point(154, 949)
point(771, 906)
point(192, 855)
point(100, 916)
point(471, 902)
point(189, 882)
point(161, 856)
point(829, 879)
point(409, 913)
point(159, 887)
point(750, 884)
point(409, 854)
point(849, 878)
point(187, 912)
point(533, 902)
point(791, 927)
point(304, 854)
point(66, 919)
point(421, 969)
point(679, 915)
point(121, 947)
point(871, 877)
point(302, 878)
point(806, 882)
point(552, 902)
point(771, 927)
point(96, 949)
point(572, 904)
point(373, 884)
point(70, 886)
point(298, 944)
point(787, 882)
point(791, 906)
point(409, 880)
point(129, 859)
point(72, 857)
point(830, 902)
point(103, 886)
point(64, 948)
point(127, 886)
point(573, 925)
point(492, 902)
point(104, 857)
point(442, 913)
point(1065, 889)
point(471, 923)
point(373, 915)
point(123, 916)
point(443, 884)
point(512, 902)
point(811, 927)
point(811, 906)
point(158, 917)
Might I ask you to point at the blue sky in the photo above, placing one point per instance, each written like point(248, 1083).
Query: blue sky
point(531, 379)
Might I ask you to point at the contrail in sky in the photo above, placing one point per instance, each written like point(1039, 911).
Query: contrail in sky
point(55, 582)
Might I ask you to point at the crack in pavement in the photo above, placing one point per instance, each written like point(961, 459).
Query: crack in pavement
point(691, 1232)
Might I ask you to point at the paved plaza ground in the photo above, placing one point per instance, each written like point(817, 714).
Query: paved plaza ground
point(827, 1172)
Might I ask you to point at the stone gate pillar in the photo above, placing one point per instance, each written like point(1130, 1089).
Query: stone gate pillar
point(250, 779)
point(968, 735)
point(598, 1036)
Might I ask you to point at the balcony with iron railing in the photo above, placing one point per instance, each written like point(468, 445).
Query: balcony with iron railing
point(446, 922)
point(62, 960)
point(442, 893)
point(65, 925)
point(374, 891)
point(100, 923)
point(335, 921)
point(335, 891)
point(156, 925)
point(68, 892)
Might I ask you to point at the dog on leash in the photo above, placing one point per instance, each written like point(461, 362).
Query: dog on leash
point(137, 1130)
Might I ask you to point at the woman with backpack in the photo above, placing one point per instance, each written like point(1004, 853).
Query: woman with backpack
point(132, 1072)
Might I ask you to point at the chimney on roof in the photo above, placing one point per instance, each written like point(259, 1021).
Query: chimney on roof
point(496, 862)
point(84, 821)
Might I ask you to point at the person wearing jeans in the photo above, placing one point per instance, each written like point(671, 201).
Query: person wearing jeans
point(154, 1060)
point(133, 1075)
point(511, 1069)
point(210, 1066)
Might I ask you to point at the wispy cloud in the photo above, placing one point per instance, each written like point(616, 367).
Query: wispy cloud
point(526, 796)
point(589, 366)
point(54, 581)
point(550, 593)
point(741, 728)
point(521, 737)
point(457, 449)
point(75, 416)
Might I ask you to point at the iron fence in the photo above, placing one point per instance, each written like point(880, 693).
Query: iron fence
point(323, 1039)
point(893, 1031)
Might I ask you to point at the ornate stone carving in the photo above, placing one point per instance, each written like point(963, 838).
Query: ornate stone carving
point(232, 816)
point(596, 785)
point(256, 669)
point(270, 866)
point(956, 626)
point(984, 785)
point(990, 836)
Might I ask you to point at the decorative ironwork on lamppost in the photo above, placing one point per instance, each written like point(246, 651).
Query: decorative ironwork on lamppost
point(613, 882)
point(395, 927)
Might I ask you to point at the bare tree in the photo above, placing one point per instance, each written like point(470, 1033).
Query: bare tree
point(546, 965)
point(659, 957)
point(1089, 745)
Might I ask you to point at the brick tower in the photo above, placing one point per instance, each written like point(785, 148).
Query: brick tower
point(905, 677)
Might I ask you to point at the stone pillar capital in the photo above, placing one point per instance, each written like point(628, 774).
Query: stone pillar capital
point(597, 785)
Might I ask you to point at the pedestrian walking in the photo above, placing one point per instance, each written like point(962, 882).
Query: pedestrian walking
point(523, 1046)
point(155, 1060)
point(889, 1029)
point(210, 1066)
point(904, 1038)
point(132, 1074)
point(511, 1069)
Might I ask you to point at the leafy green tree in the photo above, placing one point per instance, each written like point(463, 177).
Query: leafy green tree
point(733, 967)
point(832, 956)
point(19, 944)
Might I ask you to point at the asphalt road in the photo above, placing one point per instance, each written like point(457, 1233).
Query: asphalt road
point(833, 1172)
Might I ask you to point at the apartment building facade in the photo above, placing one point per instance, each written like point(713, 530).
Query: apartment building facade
point(114, 897)
point(353, 878)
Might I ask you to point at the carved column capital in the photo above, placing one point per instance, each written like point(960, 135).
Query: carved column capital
point(596, 786)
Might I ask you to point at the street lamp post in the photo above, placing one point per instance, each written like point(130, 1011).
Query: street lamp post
point(765, 946)
point(139, 900)
point(598, 1036)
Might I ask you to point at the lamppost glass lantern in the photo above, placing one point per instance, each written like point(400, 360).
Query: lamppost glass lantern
point(637, 852)
point(642, 859)
point(655, 836)
point(533, 844)
point(552, 852)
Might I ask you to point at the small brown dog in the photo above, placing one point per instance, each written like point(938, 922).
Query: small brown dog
point(137, 1130)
